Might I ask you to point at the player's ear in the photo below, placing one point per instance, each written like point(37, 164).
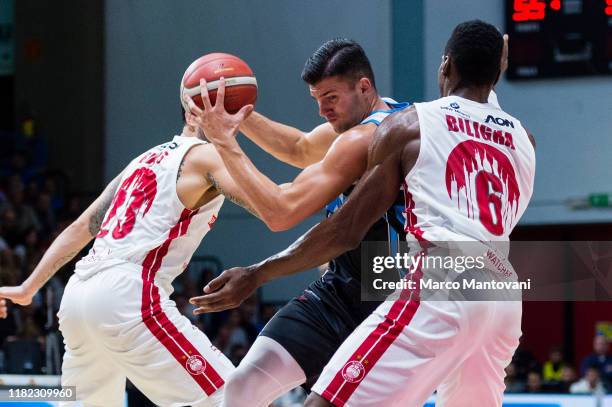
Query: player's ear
point(445, 68)
point(190, 120)
point(364, 84)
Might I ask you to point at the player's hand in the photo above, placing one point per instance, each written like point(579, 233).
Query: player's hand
point(3, 309)
point(227, 291)
point(504, 59)
point(18, 295)
point(217, 124)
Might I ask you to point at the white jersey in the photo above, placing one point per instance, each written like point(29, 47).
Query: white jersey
point(147, 225)
point(474, 174)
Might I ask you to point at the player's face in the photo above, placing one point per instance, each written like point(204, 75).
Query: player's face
point(341, 102)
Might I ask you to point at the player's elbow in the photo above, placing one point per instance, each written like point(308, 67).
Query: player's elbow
point(277, 225)
point(279, 221)
point(282, 216)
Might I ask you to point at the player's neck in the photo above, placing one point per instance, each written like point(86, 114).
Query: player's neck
point(189, 131)
point(478, 94)
point(378, 104)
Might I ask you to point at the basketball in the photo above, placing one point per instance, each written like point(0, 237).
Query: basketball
point(240, 83)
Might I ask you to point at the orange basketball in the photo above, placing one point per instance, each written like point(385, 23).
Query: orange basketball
point(240, 83)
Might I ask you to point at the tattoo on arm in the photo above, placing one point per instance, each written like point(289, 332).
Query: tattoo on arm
point(95, 221)
point(229, 196)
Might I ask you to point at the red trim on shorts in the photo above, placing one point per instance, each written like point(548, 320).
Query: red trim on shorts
point(374, 346)
point(156, 319)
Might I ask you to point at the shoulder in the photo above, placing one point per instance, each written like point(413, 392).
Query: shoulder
point(202, 156)
point(357, 138)
point(399, 126)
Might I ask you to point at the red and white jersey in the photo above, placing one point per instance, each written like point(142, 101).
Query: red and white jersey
point(146, 224)
point(474, 175)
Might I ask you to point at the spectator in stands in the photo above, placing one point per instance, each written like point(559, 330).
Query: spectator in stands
point(590, 383)
point(553, 367)
point(561, 386)
point(10, 273)
point(51, 187)
point(524, 361)
point(534, 382)
point(237, 335)
point(46, 214)
point(266, 312)
point(3, 244)
point(512, 382)
point(12, 235)
point(237, 353)
point(30, 249)
point(248, 312)
point(599, 359)
point(26, 217)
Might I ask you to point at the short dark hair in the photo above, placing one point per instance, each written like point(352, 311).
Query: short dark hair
point(476, 48)
point(338, 57)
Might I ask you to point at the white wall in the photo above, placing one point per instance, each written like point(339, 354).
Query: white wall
point(150, 43)
point(571, 119)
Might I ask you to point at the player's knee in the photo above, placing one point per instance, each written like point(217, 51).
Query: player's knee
point(314, 400)
point(245, 387)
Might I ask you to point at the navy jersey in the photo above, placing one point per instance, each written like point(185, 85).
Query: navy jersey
point(347, 267)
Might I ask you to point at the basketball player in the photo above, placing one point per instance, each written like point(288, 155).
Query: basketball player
point(116, 316)
point(407, 348)
point(296, 344)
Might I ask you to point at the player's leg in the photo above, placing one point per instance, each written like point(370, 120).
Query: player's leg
point(167, 348)
point(98, 381)
point(266, 372)
point(151, 342)
point(293, 347)
point(397, 356)
point(481, 376)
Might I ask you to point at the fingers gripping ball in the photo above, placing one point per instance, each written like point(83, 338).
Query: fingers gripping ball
point(240, 83)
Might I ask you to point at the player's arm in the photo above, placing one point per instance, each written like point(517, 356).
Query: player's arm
point(503, 67)
point(283, 206)
point(202, 173)
point(287, 143)
point(392, 154)
point(63, 249)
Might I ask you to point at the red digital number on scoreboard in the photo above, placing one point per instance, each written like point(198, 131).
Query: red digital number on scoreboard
point(555, 5)
point(609, 7)
point(529, 10)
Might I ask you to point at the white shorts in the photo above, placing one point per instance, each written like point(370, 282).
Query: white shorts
point(407, 349)
point(118, 326)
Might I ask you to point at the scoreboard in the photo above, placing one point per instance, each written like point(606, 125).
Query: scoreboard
point(558, 38)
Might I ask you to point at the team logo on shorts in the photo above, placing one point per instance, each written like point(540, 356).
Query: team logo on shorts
point(195, 364)
point(454, 105)
point(353, 371)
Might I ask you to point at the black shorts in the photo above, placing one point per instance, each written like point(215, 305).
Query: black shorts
point(312, 327)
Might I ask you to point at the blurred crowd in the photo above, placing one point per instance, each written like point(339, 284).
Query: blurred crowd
point(525, 374)
point(36, 204)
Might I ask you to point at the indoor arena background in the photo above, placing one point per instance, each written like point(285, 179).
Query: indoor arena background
point(87, 85)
